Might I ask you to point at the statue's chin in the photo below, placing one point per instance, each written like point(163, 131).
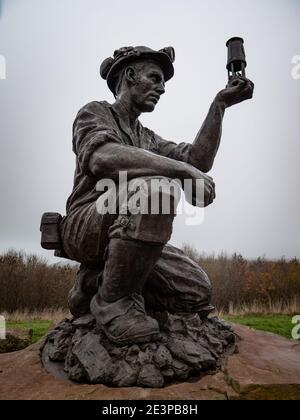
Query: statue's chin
point(148, 107)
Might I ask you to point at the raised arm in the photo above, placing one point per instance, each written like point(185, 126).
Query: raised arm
point(207, 141)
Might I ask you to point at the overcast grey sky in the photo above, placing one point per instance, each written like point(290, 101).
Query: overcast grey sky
point(53, 49)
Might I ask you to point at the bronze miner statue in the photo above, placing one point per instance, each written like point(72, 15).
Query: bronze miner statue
point(141, 307)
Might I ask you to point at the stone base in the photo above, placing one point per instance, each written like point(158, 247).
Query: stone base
point(187, 347)
point(266, 367)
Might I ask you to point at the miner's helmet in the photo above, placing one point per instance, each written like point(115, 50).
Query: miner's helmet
point(110, 68)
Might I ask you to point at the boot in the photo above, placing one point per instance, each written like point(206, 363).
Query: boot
point(85, 286)
point(119, 305)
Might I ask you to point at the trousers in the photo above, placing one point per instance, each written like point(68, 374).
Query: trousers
point(176, 283)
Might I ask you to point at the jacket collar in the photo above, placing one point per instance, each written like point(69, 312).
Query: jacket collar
point(124, 123)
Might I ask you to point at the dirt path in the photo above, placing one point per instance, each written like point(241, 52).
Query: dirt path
point(267, 367)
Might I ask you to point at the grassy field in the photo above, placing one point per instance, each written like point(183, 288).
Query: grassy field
point(39, 328)
point(277, 324)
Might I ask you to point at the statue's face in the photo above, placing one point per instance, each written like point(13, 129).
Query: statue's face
point(151, 84)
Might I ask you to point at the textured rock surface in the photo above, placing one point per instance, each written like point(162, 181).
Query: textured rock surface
point(266, 367)
point(16, 339)
point(187, 346)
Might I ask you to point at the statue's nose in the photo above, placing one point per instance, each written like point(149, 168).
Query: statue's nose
point(161, 88)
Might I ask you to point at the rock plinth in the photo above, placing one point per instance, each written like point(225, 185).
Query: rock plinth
point(187, 346)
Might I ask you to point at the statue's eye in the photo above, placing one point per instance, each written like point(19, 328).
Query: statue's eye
point(156, 78)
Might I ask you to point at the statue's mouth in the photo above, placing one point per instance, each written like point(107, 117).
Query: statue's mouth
point(154, 98)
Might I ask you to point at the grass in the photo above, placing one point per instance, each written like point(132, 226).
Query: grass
point(277, 324)
point(41, 322)
point(39, 328)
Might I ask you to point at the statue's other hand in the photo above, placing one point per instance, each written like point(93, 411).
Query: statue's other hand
point(239, 89)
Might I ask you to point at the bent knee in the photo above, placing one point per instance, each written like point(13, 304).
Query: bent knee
point(153, 195)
